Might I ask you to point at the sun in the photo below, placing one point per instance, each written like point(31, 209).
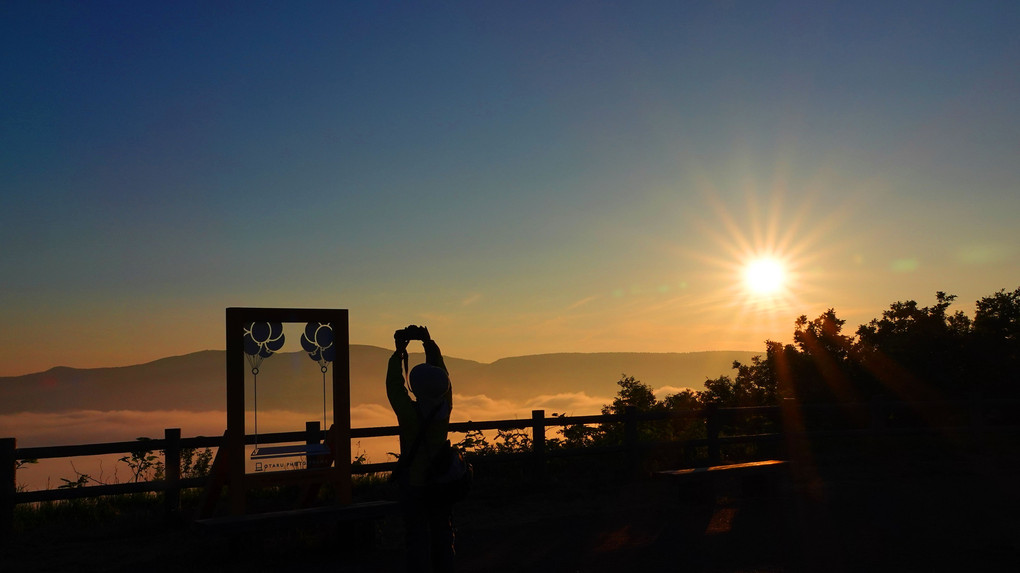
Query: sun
point(764, 276)
point(763, 260)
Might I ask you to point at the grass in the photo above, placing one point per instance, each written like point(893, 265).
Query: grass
point(900, 505)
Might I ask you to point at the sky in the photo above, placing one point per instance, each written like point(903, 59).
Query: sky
point(521, 177)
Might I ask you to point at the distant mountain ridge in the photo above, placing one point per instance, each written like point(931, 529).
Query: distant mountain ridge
point(291, 381)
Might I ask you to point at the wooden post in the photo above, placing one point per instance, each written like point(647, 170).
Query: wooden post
point(312, 439)
point(172, 467)
point(630, 436)
point(8, 484)
point(712, 429)
point(341, 405)
point(538, 442)
point(233, 446)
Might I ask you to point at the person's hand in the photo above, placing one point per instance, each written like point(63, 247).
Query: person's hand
point(400, 344)
point(425, 337)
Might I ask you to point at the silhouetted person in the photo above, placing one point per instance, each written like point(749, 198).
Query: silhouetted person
point(423, 432)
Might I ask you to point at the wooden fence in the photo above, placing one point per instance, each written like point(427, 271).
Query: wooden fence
point(876, 418)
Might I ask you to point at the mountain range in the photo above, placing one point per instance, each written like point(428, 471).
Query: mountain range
point(291, 381)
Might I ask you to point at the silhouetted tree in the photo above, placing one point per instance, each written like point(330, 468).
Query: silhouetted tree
point(818, 364)
point(910, 353)
point(634, 393)
point(917, 352)
point(996, 344)
point(686, 399)
point(755, 384)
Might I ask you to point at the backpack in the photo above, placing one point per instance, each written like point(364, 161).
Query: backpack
point(450, 475)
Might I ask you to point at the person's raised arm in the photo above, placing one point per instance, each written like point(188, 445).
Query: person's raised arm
point(432, 354)
point(434, 357)
point(396, 392)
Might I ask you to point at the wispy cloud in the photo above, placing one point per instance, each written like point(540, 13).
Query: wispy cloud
point(582, 302)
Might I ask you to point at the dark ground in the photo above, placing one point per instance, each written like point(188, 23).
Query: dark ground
point(922, 512)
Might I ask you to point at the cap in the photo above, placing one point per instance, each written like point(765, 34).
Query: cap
point(428, 381)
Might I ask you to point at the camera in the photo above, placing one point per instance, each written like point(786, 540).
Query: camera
point(412, 333)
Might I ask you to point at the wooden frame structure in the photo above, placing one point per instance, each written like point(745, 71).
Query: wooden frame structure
point(231, 457)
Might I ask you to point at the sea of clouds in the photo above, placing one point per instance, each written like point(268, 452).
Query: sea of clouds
point(94, 426)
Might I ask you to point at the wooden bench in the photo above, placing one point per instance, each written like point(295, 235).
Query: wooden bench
point(699, 484)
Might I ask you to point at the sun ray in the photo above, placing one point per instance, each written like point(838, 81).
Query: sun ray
point(787, 247)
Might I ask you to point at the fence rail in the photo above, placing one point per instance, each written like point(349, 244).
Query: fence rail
point(875, 416)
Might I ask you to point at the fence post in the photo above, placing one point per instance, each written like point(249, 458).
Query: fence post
point(538, 442)
point(312, 439)
point(712, 429)
point(8, 484)
point(172, 465)
point(630, 436)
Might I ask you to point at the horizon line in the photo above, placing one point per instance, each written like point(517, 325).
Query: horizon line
point(289, 352)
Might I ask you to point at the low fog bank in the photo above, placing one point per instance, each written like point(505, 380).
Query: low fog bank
point(33, 429)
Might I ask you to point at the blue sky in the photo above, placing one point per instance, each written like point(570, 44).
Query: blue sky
point(524, 178)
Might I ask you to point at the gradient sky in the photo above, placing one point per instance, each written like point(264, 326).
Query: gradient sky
point(523, 178)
